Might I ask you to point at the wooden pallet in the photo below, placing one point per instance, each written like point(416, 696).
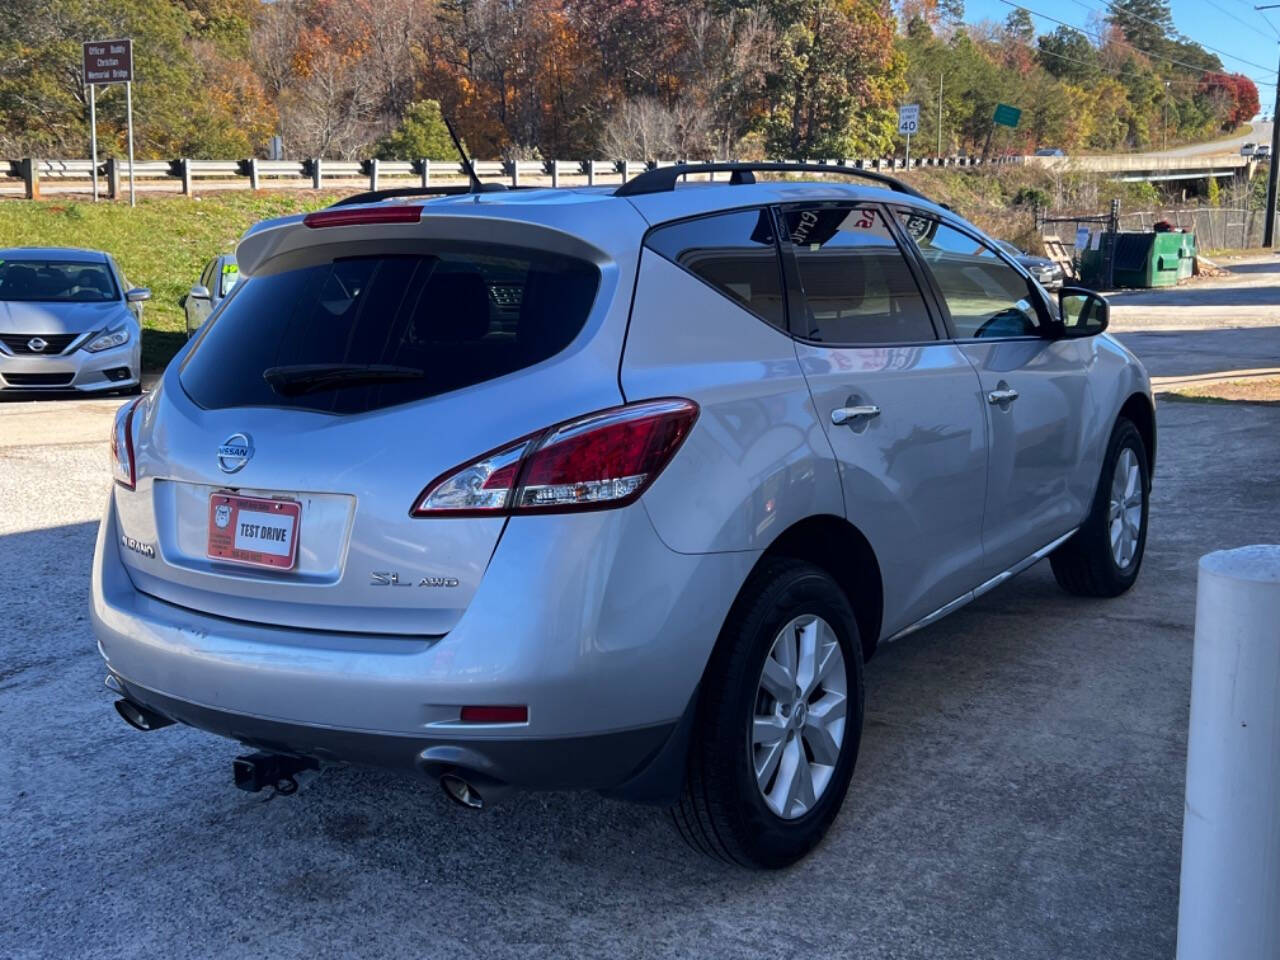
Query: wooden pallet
point(1061, 254)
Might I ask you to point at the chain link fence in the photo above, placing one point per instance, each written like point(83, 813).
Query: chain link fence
point(1216, 228)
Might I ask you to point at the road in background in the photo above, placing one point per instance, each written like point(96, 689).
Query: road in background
point(1213, 326)
point(1260, 133)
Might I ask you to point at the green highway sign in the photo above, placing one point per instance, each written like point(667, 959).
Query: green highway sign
point(1006, 115)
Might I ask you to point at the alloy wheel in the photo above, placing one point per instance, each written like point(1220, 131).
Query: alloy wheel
point(1124, 518)
point(798, 725)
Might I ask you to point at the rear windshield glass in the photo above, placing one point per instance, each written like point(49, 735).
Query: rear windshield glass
point(56, 281)
point(359, 333)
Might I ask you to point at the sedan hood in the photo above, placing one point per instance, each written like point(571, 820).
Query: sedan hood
point(1035, 263)
point(24, 316)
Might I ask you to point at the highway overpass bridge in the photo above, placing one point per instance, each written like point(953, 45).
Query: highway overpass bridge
point(1151, 167)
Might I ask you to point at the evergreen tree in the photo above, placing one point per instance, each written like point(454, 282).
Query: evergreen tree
point(1146, 24)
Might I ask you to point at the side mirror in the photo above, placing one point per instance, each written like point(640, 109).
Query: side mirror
point(199, 292)
point(138, 294)
point(1083, 313)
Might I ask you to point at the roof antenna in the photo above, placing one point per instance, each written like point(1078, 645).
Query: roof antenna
point(476, 185)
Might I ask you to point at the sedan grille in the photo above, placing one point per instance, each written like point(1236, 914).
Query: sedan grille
point(54, 343)
point(37, 379)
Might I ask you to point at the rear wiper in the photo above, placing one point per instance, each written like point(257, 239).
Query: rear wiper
point(300, 378)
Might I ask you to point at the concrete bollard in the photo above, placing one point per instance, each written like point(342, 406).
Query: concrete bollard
point(1230, 896)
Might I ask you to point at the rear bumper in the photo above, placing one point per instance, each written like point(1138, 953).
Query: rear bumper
point(607, 761)
point(78, 370)
point(587, 619)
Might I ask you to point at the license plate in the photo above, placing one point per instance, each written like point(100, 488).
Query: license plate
point(263, 533)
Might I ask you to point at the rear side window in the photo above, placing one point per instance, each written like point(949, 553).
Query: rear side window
point(734, 252)
point(359, 333)
point(855, 286)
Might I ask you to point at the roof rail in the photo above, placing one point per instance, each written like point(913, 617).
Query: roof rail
point(663, 179)
point(373, 196)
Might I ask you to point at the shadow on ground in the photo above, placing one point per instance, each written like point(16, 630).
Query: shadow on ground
point(1185, 353)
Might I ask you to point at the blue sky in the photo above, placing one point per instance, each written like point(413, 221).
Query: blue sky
point(1232, 26)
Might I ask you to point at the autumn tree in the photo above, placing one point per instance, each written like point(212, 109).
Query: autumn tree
point(835, 79)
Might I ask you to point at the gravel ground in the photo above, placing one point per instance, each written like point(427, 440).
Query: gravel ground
point(1019, 792)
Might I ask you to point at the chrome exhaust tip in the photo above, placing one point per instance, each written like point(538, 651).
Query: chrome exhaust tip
point(139, 717)
point(461, 792)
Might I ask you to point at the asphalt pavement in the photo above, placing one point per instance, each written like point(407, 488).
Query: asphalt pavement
point(1018, 795)
point(1259, 132)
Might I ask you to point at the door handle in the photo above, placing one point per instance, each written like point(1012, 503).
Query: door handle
point(1003, 395)
point(842, 415)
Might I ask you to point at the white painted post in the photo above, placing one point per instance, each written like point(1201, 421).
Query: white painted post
point(253, 173)
point(373, 174)
point(1230, 897)
point(317, 173)
point(93, 138)
point(425, 166)
point(128, 99)
point(591, 173)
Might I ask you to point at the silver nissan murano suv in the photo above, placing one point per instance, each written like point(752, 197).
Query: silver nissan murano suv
point(606, 488)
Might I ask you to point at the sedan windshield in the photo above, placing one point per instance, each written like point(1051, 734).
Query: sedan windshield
point(56, 281)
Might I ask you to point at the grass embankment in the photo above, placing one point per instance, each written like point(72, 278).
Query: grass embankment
point(163, 243)
point(1265, 390)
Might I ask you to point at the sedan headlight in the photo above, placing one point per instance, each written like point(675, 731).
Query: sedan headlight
point(112, 338)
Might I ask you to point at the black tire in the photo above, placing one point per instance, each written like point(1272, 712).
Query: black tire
point(1086, 565)
point(722, 811)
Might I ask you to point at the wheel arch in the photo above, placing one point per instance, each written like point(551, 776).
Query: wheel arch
point(843, 551)
point(1140, 411)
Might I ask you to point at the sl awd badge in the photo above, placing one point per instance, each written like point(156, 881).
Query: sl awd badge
point(382, 578)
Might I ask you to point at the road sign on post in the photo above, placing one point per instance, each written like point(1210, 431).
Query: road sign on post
point(109, 61)
point(909, 123)
point(1005, 116)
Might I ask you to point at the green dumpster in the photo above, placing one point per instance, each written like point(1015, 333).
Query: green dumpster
point(1143, 260)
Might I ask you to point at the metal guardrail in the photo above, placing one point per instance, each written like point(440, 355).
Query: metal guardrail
point(187, 174)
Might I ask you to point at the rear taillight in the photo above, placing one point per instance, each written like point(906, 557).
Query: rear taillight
point(123, 465)
point(602, 460)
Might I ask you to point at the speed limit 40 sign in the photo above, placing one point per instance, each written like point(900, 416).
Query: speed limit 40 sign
point(909, 118)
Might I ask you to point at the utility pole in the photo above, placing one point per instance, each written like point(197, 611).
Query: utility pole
point(1269, 221)
point(1166, 116)
point(939, 113)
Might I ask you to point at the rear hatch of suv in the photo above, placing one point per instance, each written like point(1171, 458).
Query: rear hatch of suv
point(279, 464)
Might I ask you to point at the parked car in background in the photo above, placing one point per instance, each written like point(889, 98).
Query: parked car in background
point(1048, 273)
point(1051, 152)
point(1263, 152)
point(219, 277)
point(1248, 150)
point(69, 320)
point(606, 488)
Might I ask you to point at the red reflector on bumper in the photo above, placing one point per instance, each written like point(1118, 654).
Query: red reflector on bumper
point(495, 715)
